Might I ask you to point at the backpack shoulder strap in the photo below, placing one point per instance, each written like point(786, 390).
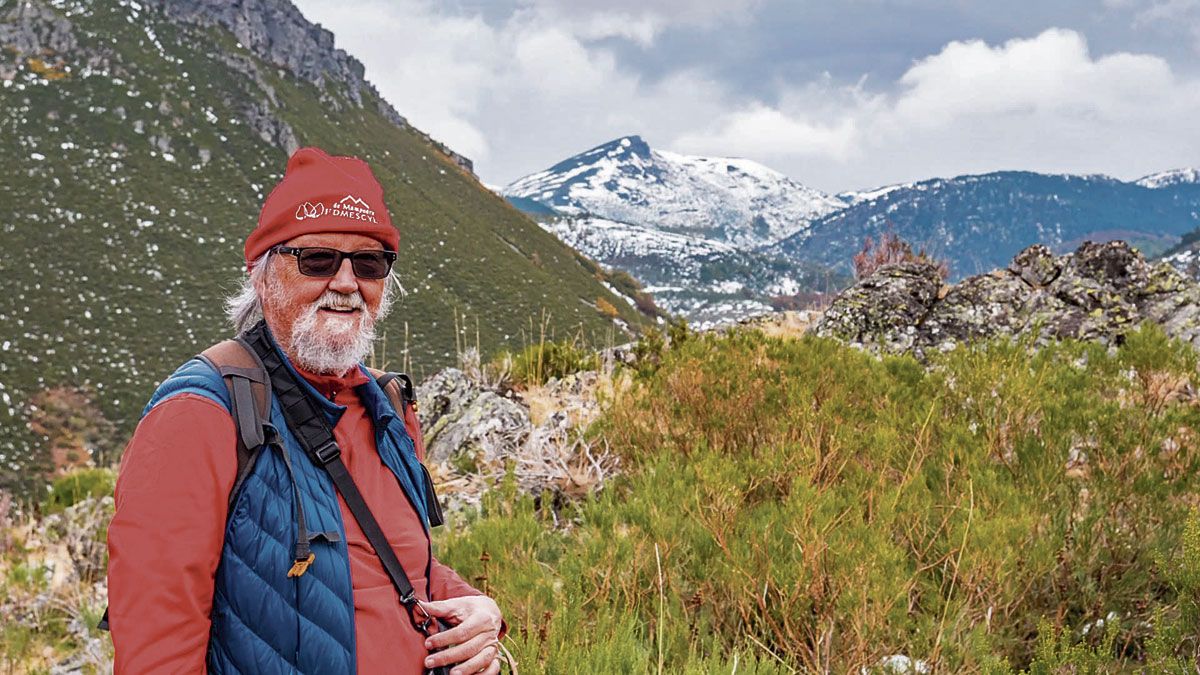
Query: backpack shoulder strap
point(250, 393)
point(399, 390)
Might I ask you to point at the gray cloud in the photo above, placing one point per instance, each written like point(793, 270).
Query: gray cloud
point(847, 96)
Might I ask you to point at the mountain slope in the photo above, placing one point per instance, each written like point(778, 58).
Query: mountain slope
point(980, 222)
point(139, 142)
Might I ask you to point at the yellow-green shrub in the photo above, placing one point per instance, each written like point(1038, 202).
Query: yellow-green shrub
point(816, 508)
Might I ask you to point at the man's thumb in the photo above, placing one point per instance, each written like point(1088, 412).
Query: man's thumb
point(439, 608)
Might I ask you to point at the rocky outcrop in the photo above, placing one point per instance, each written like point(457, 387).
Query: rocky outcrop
point(458, 416)
point(474, 433)
point(38, 37)
point(276, 32)
point(1099, 292)
point(29, 29)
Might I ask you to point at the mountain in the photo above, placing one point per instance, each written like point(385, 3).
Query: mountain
point(735, 201)
point(688, 227)
point(1184, 256)
point(139, 140)
point(979, 222)
point(1163, 179)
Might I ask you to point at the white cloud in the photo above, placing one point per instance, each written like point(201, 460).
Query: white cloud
point(526, 90)
point(521, 94)
point(637, 20)
point(1043, 103)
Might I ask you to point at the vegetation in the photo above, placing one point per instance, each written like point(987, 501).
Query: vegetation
point(538, 363)
point(801, 506)
point(892, 249)
point(796, 505)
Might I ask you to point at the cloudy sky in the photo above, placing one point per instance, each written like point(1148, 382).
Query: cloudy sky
point(839, 95)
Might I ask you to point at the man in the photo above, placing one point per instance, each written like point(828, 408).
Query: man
point(195, 584)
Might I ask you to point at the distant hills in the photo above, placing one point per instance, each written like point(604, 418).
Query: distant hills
point(980, 222)
point(718, 238)
point(139, 140)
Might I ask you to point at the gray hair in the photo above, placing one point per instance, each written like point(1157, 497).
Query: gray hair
point(244, 306)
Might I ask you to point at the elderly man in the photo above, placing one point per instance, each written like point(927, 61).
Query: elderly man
point(271, 571)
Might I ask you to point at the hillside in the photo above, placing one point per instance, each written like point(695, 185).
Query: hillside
point(139, 141)
point(980, 222)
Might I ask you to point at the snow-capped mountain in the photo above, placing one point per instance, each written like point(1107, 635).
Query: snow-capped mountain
point(1185, 176)
point(714, 235)
point(665, 256)
point(735, 201)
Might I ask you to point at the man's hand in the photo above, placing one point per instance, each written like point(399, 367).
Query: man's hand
point(476, 622)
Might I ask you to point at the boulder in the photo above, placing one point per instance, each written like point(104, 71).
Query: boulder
point(883, 309)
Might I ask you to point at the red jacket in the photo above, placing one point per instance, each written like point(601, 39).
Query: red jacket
point(166, 537)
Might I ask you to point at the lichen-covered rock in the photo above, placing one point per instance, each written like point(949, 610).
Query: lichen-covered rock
point(475, 435)
point(896, 296)
point(1099, 292)
point(978, 307)
point(458, 416)
point(1036, 266)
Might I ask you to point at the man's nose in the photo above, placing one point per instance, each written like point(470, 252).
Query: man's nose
point(344, 281)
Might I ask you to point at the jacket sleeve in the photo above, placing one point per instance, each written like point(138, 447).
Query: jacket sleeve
point(166, 535)
point(444, 583)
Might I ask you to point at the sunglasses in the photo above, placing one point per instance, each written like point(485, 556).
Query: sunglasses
point(318, 261)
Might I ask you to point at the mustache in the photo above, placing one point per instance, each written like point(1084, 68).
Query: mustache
point(335, 300)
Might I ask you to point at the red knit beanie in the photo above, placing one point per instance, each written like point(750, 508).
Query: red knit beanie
point(322, 193)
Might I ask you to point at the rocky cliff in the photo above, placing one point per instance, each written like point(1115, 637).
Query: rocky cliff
point(274, 31)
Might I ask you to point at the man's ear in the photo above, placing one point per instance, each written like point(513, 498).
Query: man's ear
point(260, 280)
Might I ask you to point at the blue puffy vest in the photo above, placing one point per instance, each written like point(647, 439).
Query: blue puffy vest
point(262, 620)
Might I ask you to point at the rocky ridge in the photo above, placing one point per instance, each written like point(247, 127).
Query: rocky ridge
point(1099, 292)
point(273, 31)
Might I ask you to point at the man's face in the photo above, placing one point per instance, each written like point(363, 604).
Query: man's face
point(325, 324)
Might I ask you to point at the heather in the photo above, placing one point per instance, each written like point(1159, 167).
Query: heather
point(795, 505)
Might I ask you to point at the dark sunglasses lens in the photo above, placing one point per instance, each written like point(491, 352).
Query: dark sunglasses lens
point(319, 262)
point(371, 264)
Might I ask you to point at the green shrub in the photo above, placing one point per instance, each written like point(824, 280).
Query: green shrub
point(78, 485)
point(810, 507)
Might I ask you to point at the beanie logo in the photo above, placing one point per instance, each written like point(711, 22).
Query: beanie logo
point(310, 210)
point(347, 207)
point(353, 207)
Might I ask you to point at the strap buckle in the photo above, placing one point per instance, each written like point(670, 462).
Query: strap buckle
point(328, 452)
point(414, 606)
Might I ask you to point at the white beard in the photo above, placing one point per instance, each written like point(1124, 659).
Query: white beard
point(330, 344)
